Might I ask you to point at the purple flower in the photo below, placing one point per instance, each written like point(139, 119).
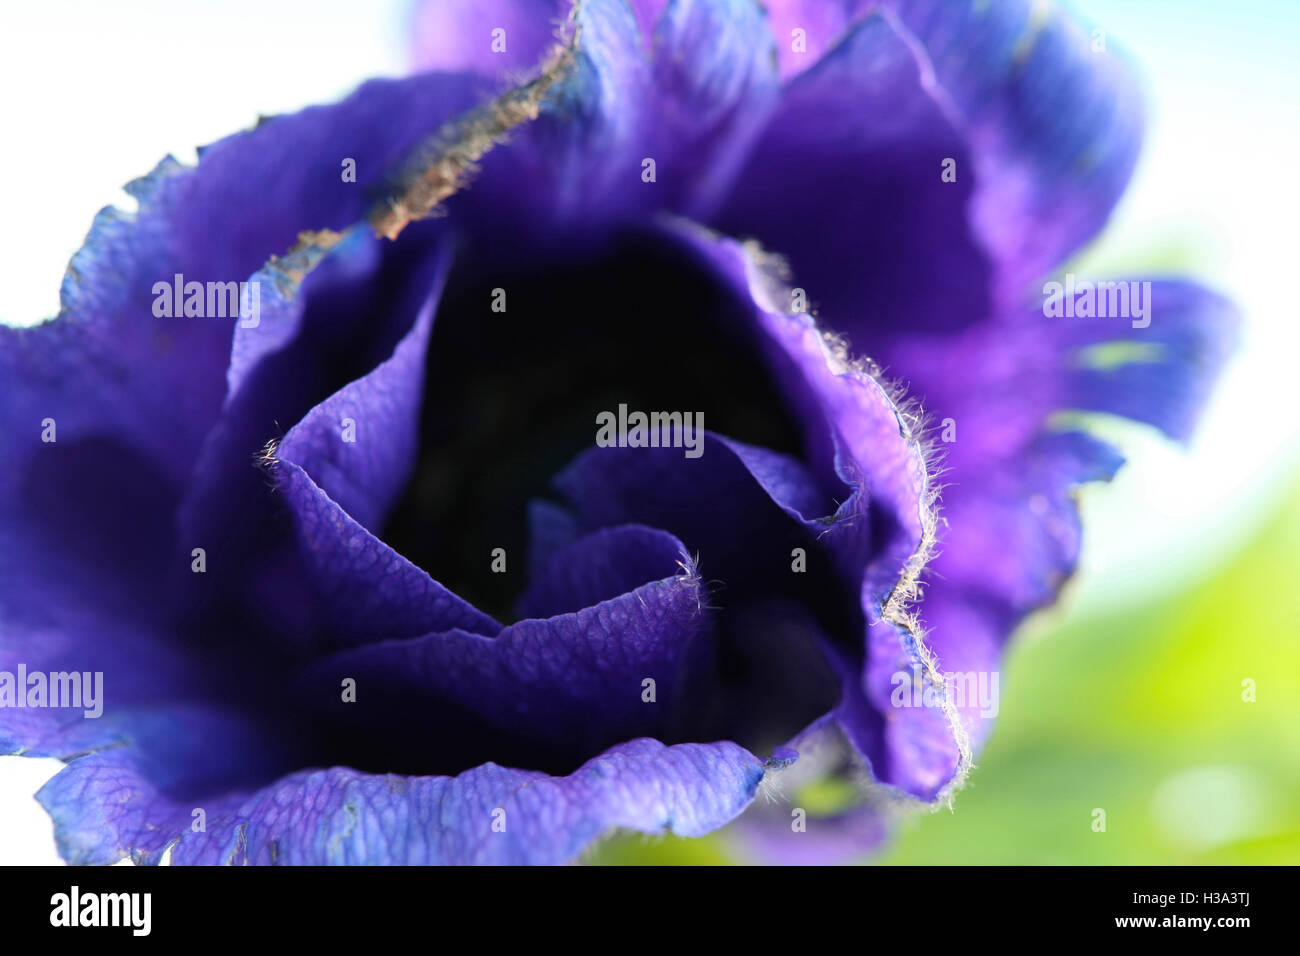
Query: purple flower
point(465, 471)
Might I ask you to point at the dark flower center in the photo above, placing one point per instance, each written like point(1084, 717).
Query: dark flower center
point(512, 397)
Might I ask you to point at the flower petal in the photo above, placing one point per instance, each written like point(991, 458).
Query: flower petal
point(103, 809)
point(134, 395)
point(71, 564)
point(552, 691)
point(365, 591)
point(1052, 116)
point(340, 816)
point(865, 144)
point(316, 306)
point(703, 501)
point(806, 30)
point(1161, 373)
point(690, 98)
point(598, 567)
point(360, 444)
point(135, 798)
point(248, 198)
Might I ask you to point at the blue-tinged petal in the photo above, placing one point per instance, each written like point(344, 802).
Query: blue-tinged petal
point(253, 193)
point(846, 182)
point(554, 690)
point(703, 500)
point(489, 815)
point(925, 747)
point(339, 471)
point(365, 590)
point(115, 390)
point(715, 84)
point(686, 100)
point(162, 379)
point(98, 657)
point(1012, 539)
point(172, 769)
point(80, 575)
point(104, 809)
point(360, 444)
point(583, 148)
point(1051, 113)
point(301, 348)
point(1012, 533)
point(598, 567)
point(1158, 369)
point(320, 267)
point(790, 574)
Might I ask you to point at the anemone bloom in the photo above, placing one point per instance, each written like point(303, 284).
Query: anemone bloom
point(583, 504)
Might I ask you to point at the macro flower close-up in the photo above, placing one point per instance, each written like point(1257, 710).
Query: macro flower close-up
point(641, 416)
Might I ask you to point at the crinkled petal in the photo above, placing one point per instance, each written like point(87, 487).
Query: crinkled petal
point(133, 395)
point(550, 689)
point(103, 809)
point(134, 799)
point(340, 816)
point(303, 346)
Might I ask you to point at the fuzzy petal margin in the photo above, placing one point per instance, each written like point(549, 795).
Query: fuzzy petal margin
point(643, 120)
point(923, 751)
